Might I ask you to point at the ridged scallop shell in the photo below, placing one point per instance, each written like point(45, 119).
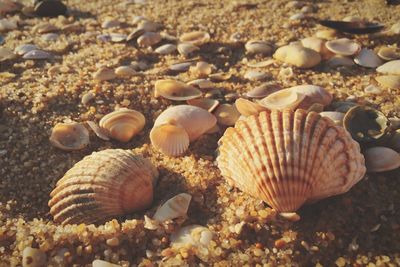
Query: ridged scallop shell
point(103, 185)
point(175, 90)
point(179, 125)
point(289, 158)
point(69, 136)
point(123, 124)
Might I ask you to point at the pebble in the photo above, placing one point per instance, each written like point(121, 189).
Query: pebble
point(33, 257)
point(125, 71)
point(37, 55)
point(104, 74)
point(50, 8)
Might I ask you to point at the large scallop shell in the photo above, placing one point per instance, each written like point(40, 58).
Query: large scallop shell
point(288, 158)
point(123, 124)
point(103, 185)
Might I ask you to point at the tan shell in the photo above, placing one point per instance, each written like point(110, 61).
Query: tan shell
point(103, 185)
point(227, 114)
point(380, 159)
point(391, 81)
point(149, 39)
point(313, 95)
point(248, 108)
point(186, 49)
point(298, 55)
point(179, 125)
point(391, 67)
point(289, 158)
point(204, 103)
point(195, 38)
point(263, 90)
point(175, 90)
point(69, 136)
point(123, 124)
point(104, 74)
point(201, 69)
point(389, 53)
point(202, 83)
point(367, 58)
point(343, 46)
point(282, 99)
point(258, 47)
point(173, 208)
point(318, 45)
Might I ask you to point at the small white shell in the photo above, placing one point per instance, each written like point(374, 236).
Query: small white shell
point(173, 208)
point(255, 75)
point(367, 58)
point(391, 67)
point(380, 159)
point(125, 71)
point(186, 49)
point(337, 117)
point(69, 136)
point(227, 114)
point(175, 90)
point(343, 46)
point(298, 55)
point(166, 49)
point(195, 38)
point(258, 47)
point(191, 235)
point(117, 37)
point(313, 94)
point(149, 39)
point(100, 132)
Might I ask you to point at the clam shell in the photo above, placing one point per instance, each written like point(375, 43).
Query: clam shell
point(185, 49)
point(195, 37)
point(191, 235)
point(148, 39)
point(389, 53)
point(100, 132)
point(255, 75)
point(282, 99)
point(391, 67)
point(313, 95)
point(175, 90)
point(125, 71)
point(336, 117)
point(339, 61)
point(391, 81)
point(179, 125)
point(289, 158)
point(103, 185)
point(220, 77)
point(248, 108)
point(205, 103)
point(343, 46)
point(37, 55)
point(263, 90)
point(166, 49)
point(227, 114)
point(318, 45)
point(298, 55)
point(202, 83)
point(25, 48)
point(69, 136)
point(123, 124)
point(380, 159)
point(367, 58)
point(258, 47)
point(201, 69)
point(173, 208)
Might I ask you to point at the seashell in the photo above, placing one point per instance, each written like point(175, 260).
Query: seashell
point(394, 141)
point(336, 117)
point(261, 64)
point(318, 45)
point(179, 125)
point(186, 49)
point(33, 257)
point(391, 81)
point(50, 37)
point(69, 136)
point(298, 55)
point(103, 185)
point(381, 159)
point(343, 106)
point(365, 124)
point(123, 124)
point(367, 58)
point(166, 49)
point(202, 69)
point(290, 216)
point(46, 28)
point(101, 263)
point(326, 34)
point(175, 90)
point(148, 26)
point(255, 75)
point(220, 77)
point(282, 99)
point(395, 28)
point(263, 90)
point(37, 54)
point(339, 61)
point(6, 54)
point(313, 94)
point(174, 208)
point(391, 67)
point(292, 157)
point(148, 39)
point(168, 37)
point(343, 46)
point(227, 114)
point(117, 37)
point(389, 53)
point(202, 83)
point(192, 235)
point(87, 97)
point(258, 47)
point(134, 34)
point(184, 66)
point(195, 38)
point(372, 90)
point(248, 108)
point(100, 132)
point(297, 16)
point(205, 103)
point(7, 25)
point(124, 71)
point(25, 48)
point(110, 23)
point(104, 74)
point(354, 27)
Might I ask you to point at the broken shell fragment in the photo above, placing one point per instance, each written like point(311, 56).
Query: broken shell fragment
point(336, 117)
point(365, 124)
point(380, 159)
point(186, 49)
point(175, 90)
point(192, 235)
point(148, 39)
point(123, 124)
point(100, 132)
point(174, 208)
point(391, 67)
point(343, 46)
point(298, 56)
point(263, 90)
point(195, 38)
point(248, 108)
point(103, 185)
point(179, 125)
point(318, 45)
point(289, 158)
point(391, 81)
point(258, 47)
point(205, 103)
point(201, 69)
point(389, 53)
point(367, 58)
point(69, 136)
point(37, 55)
point(227, 114)
point(282, 99)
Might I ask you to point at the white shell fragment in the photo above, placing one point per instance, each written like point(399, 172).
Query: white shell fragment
point(69, 136)
point(282, 99)
point(391, 81)
point(335, 116)
point(343, 46)
point(380, 159)
point(255, 75)
point(391, 67)
point(367, 58)
point(191, 235)
point(174, 208)
point(100, 132)
point(205, 103)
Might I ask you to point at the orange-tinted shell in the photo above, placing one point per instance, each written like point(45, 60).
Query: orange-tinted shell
point(288, 158)
point(103, 185)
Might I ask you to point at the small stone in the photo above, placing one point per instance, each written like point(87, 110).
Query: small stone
point(104, 74)
point(50, 8)
point(86, 98)
point(33, 257)
point(280, 243)
point(340, 262)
